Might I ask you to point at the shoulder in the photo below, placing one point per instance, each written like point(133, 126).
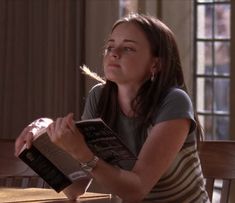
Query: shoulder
point(176, 104)
point(178, 97)
point(95, 92)
point(96, 89)
point(92, 101)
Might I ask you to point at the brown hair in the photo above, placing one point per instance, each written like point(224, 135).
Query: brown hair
point(163, 45)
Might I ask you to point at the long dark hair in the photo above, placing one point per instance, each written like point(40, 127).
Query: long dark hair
point(151, 93)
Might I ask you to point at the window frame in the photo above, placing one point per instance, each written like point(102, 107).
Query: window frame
point(213, 40)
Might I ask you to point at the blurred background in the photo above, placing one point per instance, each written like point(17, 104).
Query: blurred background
point(43, 43)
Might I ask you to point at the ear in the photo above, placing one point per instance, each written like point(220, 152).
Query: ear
point(155, 66)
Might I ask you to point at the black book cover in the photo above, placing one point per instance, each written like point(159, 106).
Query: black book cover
point(45, 169)
point(104, 142)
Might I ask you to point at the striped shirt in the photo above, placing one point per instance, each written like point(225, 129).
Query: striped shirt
point(183, 181)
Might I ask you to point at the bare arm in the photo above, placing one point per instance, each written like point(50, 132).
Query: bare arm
point(164, 141)
point(158, 152)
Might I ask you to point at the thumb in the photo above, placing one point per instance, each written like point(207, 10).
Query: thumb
point(70, 117)
point(70, 122)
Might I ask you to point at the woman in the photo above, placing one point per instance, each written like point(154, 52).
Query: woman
point(145, 100)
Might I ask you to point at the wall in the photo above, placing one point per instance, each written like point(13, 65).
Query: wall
point(180, 21)
point(100, 16)
point(38, 59)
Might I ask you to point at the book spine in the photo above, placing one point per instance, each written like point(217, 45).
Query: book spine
point(45, 169)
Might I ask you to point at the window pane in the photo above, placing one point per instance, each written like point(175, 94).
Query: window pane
point(222, 21)
point(213, 60)
point(222, 58)
point(204, 58)
point(204, 1)
point(221, 95)
point(204, 95)
point(221, 125)
point(204, 21)
point(207, 126)
point(127, 6)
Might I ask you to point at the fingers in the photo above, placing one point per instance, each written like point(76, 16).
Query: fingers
point(58, 129)
point(69, 119)
point(29, 139)
point(50, 130)
point(70, 122)
point(25, 137)
point(58, 125)
point(55, 130)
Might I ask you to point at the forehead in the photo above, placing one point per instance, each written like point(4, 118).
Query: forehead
point(128, 30)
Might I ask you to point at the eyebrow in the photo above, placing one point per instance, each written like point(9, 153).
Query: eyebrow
point(125, 40)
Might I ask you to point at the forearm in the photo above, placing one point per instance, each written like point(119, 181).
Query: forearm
point(126, 184)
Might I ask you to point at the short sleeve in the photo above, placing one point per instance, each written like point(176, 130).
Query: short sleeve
point(90, 109)
point(177, 104)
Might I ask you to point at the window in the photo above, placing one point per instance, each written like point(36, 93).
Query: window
point(212, 66)
point(127, 6)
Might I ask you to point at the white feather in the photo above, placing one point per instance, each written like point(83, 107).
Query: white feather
point(93, 75)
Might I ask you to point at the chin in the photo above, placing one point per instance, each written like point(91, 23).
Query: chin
point(112, 80)
point(110, 77)
point(114, 77)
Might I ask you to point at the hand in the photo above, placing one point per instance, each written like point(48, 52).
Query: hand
point(27, 135)
point(65, 135)
point(77, 188)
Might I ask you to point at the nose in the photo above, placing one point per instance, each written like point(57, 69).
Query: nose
point(115, 52)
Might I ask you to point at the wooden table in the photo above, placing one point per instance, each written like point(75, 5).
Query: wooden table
point(38, 195)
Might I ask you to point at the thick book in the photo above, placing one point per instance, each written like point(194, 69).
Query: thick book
point(59, 169)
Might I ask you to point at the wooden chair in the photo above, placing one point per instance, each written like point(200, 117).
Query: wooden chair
point(13, 172)
point(218, 163)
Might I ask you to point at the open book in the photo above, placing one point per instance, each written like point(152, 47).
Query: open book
point(59, 169)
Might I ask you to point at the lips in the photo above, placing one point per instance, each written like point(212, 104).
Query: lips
point(114, 65)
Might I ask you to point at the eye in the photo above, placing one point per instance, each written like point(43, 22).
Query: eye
point(108, 49)
point(128, 49)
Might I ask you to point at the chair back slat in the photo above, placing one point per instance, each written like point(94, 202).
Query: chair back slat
point(225, 190)
point(218, 163)
point(209, 187)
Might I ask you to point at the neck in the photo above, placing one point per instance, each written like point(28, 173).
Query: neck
point(126, 94)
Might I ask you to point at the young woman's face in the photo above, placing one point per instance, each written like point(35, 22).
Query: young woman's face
point(127, 57)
